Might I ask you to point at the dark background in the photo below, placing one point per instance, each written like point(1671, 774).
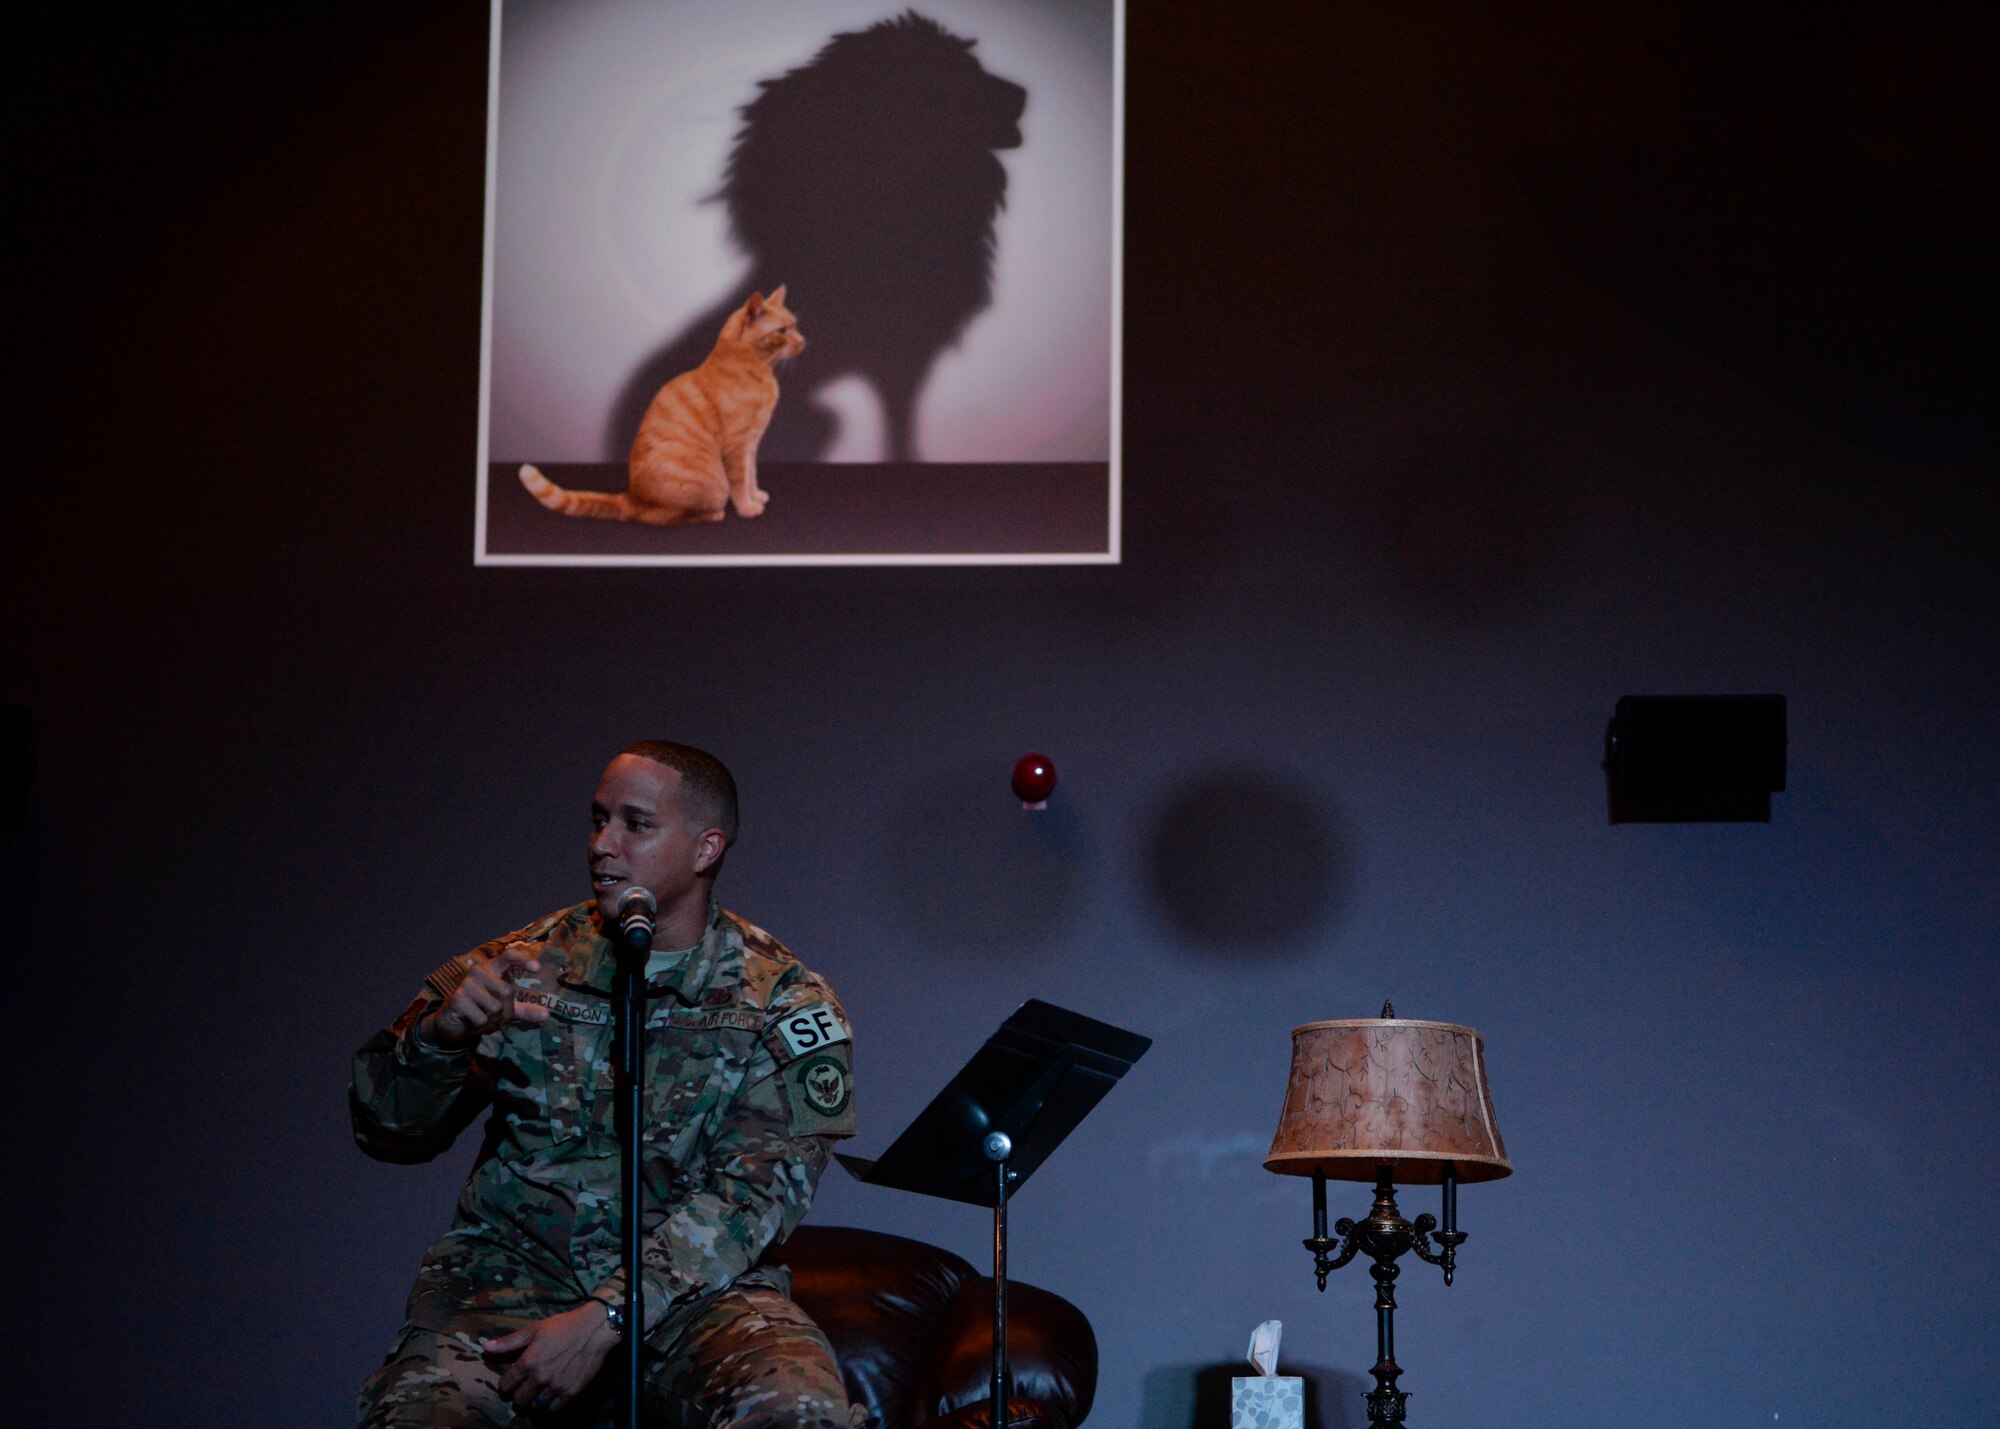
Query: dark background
point(1482, 365)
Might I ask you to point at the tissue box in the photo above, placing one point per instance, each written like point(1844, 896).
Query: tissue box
point(1267, 1401)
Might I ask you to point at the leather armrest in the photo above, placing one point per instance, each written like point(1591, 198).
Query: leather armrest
point(1021, 1414)
point(1051, 1354)
point(912, 1326)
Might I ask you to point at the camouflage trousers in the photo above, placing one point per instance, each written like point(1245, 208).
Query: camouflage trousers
point(751, 1359)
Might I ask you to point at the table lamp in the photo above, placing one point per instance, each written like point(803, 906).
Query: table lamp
point(1387, 1099)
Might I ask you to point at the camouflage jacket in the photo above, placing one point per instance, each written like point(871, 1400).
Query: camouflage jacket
point(747, 1082)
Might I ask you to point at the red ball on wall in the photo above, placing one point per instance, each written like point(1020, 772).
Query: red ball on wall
point(1034, 778)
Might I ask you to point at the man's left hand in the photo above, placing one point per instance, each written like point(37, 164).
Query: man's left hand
point(554, 1358)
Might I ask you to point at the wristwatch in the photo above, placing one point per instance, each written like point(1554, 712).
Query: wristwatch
point(616, 1315)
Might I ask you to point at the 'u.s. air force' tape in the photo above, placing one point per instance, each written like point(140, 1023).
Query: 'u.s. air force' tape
point(811, 1029)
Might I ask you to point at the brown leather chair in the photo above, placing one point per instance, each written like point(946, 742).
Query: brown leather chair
point(913, 1328)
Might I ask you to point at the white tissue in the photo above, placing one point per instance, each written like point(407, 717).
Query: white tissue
point(1264, 1346)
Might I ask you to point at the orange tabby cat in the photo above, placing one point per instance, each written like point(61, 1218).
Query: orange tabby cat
point(697, 446)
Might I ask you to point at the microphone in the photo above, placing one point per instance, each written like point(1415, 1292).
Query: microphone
point(635, 917)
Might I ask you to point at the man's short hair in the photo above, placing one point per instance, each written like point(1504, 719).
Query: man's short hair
point(707, 793)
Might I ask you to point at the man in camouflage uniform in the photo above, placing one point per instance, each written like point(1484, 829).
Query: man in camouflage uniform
point(747, 1084)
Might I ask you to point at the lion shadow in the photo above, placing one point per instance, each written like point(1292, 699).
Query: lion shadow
point(867, 180)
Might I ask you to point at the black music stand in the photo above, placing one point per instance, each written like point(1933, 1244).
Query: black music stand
point(1000, 1118)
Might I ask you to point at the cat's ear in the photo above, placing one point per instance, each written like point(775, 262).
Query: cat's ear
point(753, 309)
point(778, 296)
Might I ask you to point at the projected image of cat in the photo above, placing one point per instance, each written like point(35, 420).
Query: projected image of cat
point(871, 174)
point(696, 452)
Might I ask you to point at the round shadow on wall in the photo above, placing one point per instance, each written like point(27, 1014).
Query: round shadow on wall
point(1244, 864)
point(974, 872)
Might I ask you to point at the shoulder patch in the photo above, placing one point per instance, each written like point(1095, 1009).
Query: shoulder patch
point(819, 1094)
point(444, 982)
point(812, 1028)
point(825, 1086)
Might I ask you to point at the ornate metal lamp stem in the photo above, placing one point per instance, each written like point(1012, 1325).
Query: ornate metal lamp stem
point(1383, 1237)
point(1385, 1401)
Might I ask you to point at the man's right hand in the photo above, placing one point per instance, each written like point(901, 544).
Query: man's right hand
point(484, 1002)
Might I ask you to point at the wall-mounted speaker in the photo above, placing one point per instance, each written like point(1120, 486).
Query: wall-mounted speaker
point(1695, 759)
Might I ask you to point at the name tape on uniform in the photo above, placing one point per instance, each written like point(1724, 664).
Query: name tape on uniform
point(597, 1014)
point(810, 1029)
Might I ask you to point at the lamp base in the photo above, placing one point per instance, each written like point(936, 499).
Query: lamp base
point(1385, 1406)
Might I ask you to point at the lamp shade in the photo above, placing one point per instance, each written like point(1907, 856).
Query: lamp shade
point(1375, 1091)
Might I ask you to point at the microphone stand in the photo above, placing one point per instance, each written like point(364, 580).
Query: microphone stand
point(634, 942)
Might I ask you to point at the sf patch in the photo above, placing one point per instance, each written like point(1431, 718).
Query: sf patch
point(810, 1029)
point(819, 1094)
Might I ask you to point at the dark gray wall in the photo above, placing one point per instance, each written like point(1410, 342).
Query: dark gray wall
point(1481, 367)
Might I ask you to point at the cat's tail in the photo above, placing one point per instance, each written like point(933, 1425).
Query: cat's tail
point(604, 505)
